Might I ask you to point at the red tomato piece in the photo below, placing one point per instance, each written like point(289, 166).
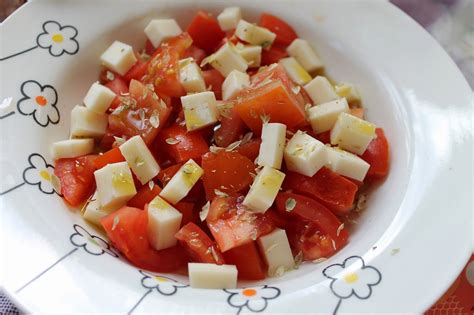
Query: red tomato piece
point(310, 210)
point(331, 189)
point(144, 195)
point(112, 156)
point(378, 156)
point(246, 258)
point(273, 55)
point(324, 137)
point(137, 71)
point(187, 210)
point(214, 80)
point(199, 246)
point(127, 230)
point(228, 172)
point(250, 149)
point(166, 174)
point(119, 87)
point(163, 69)
point(189, 145)
point(273, 100)
point(205, 31)
point(196, 53)
point(232, 225)
point(232, 127)
point(304, 237)
point(149, 48)
point(134, 118)
point(76, 176)
point(285, 34)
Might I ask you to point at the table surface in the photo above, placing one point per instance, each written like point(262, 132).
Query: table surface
point(450, 22)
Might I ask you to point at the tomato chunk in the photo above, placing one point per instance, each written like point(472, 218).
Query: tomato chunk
point(378, 156)
point(232, 127)
point(310, 210)
point(305, 237)
point(112, 156)
point(273, 55)
point(119, 87)
point(166, 174)
point(144, 195)
point(246, 258)
point(232, 225)
point(134, 118)
point(214, 80)
point(163, 69)
point(285, 34)
point(273, 100)
point(196, 53)
point(187, 210)
point(137, 71)
point(250, 149)
point(228, 172)
point(127, 230)
point(182, 145)
point(76, 176)
point(332, 190)
point(205, 31)
point(199, 246)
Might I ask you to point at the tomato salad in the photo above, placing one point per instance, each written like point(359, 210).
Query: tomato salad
point(221, 150)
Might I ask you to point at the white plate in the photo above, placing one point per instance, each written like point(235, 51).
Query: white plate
point(407, 248)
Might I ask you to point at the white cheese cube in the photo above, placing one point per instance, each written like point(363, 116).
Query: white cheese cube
point(295, 71)
point(234, 83)
point(163, 223)
point(347, 164)
point(227, 59)
point(254, 34)
point(182, 182)
point(229, 18)
point(99, 98)
point(158, 31)
point(93, 212)
point(264, 189)
point(212, 276)
point(352, 133)
point(321, 90)
point(302, 51)
point(348, 91)
point(140, 159)
point(115, 184)
point(251, 53)
point(273, 144)
point(86, 123)
point(323, 116)
point(305, 154)
point(72, 148)
point(119, 57)
point(276, 252)
point(200, 110)
point(190, 76)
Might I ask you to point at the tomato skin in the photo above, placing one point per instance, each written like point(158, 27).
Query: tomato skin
point(187, 210)
point(196, 53)
point(332, 190)
point(250, 149)
point(228, 172)
point(232, 225)
point(149, 48)
point(137, 71)
point(112, 156)
point(285, 34)
point(232, 127)
point(118, 86)
point(129, 123)
point(166, 174)
point(214, 80)
point(378, 156)
point(304, 237)
point(144, 195)
point(205, 31)
point(163, 69)
point(199, 246)
point(129, 236)
point(190, 145)
point(76, 176)
point(314, 212)
point(273, 55)
point(246, 258)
